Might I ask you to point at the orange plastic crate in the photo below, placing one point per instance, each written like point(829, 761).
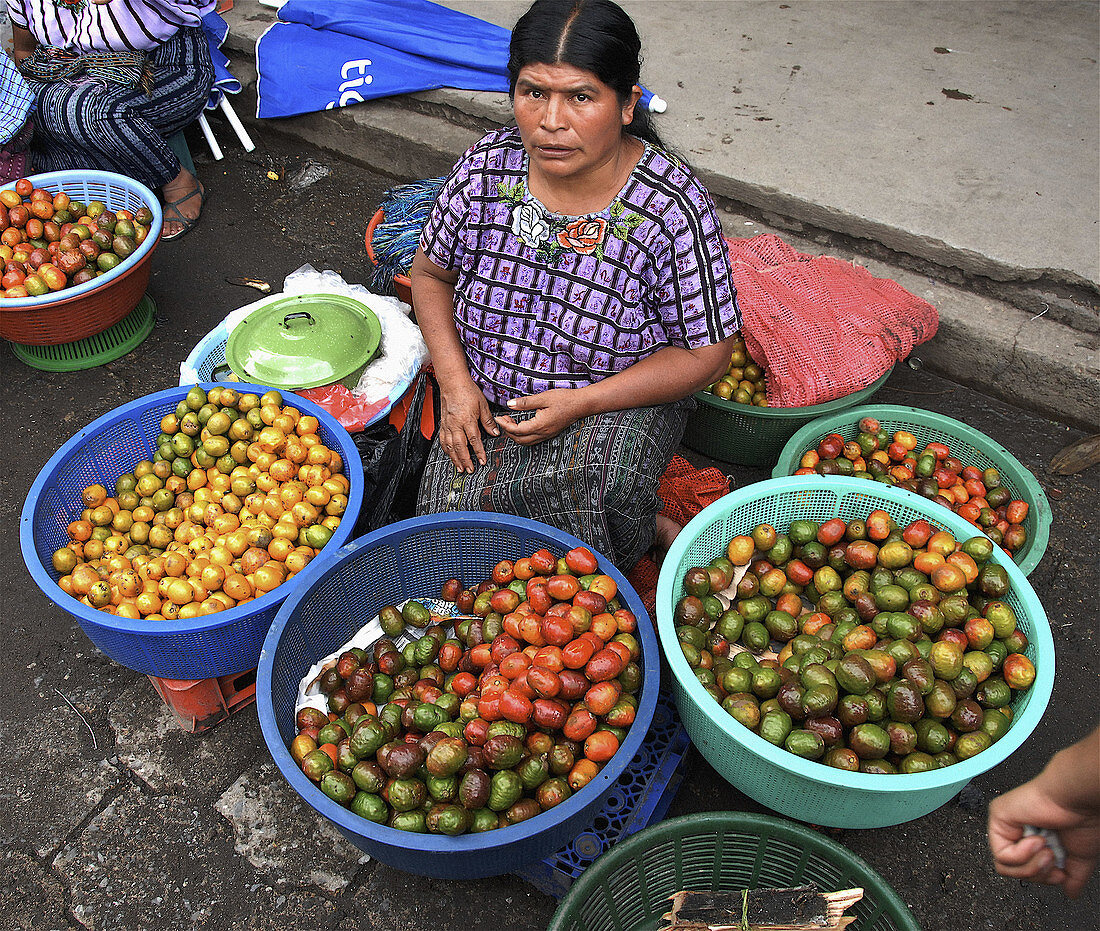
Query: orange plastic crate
point(199, 704)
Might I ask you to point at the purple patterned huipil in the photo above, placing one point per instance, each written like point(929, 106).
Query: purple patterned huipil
point(549, 301)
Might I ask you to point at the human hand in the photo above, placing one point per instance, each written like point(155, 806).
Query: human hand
point(463, 411)
point(1023, 856)
point(555, 410)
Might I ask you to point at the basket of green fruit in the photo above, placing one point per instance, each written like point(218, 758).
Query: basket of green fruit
point(847, 653)
point(937, 457)
point(732, 422)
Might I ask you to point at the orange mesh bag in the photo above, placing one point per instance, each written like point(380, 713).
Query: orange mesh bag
point(822, 327)
point(684, 491)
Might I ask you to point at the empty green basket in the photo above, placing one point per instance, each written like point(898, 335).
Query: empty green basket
point(627, 889)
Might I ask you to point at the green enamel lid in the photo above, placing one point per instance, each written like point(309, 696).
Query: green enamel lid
point(304, 341)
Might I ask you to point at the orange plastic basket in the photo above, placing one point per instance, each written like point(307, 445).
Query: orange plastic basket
point(87, 309)
point(402, 284)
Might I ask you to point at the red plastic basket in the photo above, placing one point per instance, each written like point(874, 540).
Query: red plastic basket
point(402, 284)
point(199, 704)
point(87, 309)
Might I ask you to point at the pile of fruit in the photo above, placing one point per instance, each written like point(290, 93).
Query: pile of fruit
point(859, 644)
point(974, 494)
point(483, 720)
point(240, 495)
point(49, 242)
point(744, 380)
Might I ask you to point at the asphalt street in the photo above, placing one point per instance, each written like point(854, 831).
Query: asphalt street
point(113, 817)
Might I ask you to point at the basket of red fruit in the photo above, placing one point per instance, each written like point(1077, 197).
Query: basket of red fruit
point(76, 247)
point(934, 456)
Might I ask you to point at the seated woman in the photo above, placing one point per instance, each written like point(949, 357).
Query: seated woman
point(574, 290)
point(114, 80)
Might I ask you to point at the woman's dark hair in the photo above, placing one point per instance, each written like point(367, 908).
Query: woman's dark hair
point(594, 35)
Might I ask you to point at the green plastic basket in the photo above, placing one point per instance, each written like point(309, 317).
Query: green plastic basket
point(628, 888)
point(98, 349)
point(754, 436)
point(785, 783)
point(968, 445)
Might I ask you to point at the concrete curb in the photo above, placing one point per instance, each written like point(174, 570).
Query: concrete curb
point(1038, 350)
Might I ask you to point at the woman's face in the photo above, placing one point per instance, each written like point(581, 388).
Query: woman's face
point(570, 121)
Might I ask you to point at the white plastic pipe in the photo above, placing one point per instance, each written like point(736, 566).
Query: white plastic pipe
point(215, 149)
point(238, 127)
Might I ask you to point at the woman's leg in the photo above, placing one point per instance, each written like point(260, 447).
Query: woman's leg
point(112, 128)
point(598, 480)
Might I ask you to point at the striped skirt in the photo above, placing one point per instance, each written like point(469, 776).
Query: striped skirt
point(597, 480)
point(110, 127)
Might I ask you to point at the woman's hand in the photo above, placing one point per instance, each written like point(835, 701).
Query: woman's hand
point(556, 410)
point(463, 411)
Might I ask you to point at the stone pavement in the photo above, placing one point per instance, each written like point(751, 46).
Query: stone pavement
point(951, 147)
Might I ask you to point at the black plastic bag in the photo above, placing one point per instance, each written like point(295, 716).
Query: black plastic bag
point(393, 454)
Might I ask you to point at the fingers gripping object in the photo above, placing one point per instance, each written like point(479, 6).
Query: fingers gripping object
point(1053, 841)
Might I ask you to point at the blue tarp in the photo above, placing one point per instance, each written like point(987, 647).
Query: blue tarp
point(216, 30)
point(322, 54)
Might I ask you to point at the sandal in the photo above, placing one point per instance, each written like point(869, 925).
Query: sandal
point(187, 222)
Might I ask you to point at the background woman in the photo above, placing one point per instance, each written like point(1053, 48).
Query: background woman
point(114, 79)
point(574, 290)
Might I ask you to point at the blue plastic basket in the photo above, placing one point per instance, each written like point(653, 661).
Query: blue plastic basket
point(803, 789)
point(199, 648)
point(116, 191)
point(339, 593)
point(640, 798)
point(208, 359)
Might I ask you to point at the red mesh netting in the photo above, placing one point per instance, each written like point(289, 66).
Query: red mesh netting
point(684, 491)
point(822, 327)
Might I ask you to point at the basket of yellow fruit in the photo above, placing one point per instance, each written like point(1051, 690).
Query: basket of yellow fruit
point(733, 423)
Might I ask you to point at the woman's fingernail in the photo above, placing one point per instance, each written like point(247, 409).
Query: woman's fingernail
point(512, 403)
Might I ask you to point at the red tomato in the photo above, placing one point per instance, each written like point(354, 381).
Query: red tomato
point(581, 561)
point(503, 572)
point(516, 707)
point(489, 709)
point(462, 684)
point(522, 569)
point(579, 725)
point(538, 597)
point(549, 714)
point(601, 697)
point(605, 664)
point(556, 630)
point(549, 657)
point(545, 682)
point(543, 562)
point(563, 587)
point(504, 601)
point(1016, 512)
point(573, 684)
point(476, 732)
point(514, 665)
point(480, 656)
point(601, 746)
point(592, 602)
point(530, 630)
point(604, 585)
point(577, 652)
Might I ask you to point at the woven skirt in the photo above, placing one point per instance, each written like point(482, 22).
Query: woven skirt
point(597, 480)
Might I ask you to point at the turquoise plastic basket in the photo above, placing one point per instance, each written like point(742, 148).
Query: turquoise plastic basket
point(803, 789)
point(628, 888)
point(969, 446)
